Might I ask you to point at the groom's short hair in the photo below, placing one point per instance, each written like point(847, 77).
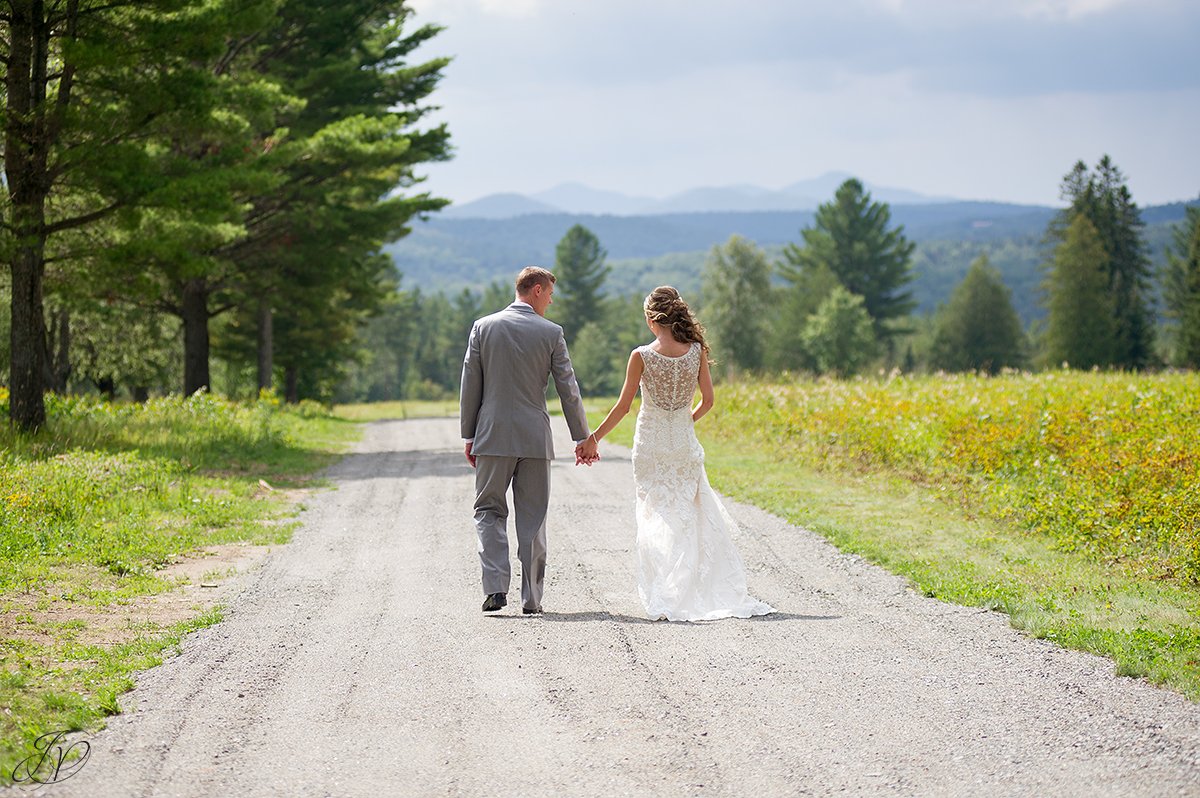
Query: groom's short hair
point(534, 275)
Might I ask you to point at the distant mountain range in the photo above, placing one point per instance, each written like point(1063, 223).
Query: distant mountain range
point(576, 198)
point(449, 255)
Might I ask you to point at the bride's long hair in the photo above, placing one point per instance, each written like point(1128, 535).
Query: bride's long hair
point(664, 306)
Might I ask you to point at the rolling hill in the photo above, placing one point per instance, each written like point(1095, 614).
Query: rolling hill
point(449, 254)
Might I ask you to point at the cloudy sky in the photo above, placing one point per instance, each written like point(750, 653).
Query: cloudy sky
point(980, 99)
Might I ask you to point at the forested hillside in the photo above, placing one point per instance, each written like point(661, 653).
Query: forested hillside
point(644, 251)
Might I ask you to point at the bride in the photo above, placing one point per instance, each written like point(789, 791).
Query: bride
point(688, 568)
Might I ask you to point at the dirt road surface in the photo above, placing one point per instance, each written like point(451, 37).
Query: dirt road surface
point(356, 662)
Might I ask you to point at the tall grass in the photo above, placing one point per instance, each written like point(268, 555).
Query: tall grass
point(1105, 464)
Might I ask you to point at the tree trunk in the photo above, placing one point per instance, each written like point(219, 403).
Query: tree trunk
point(26, 405)
point(57, 360)
point(194, 311)
point(266, 344)
point(291, 379)
point(25, 158)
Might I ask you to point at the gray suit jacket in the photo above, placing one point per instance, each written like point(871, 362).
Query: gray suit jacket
point(510, 357)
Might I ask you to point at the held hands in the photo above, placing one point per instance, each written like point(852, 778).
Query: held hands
point(587, 452)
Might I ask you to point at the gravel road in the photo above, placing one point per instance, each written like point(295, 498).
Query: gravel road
point(356, 662)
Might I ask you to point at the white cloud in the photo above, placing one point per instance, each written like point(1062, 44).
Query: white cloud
point(1038, 9)
point(445, 10)
point(1069, 9)
point(510, 8)
point(647, 99)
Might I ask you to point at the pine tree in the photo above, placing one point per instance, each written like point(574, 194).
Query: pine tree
point(1104, 199)
point(580, 270)
point(978, 329)
point(736, 290)
point(350, 159)
point(1181, 288)
point(1081, 328)
point(87, 84)
point(381, 372)
point(851, 237)
point(347, 163)
point(318, 340)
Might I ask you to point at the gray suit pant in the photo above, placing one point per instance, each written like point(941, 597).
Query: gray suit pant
point(530, 480)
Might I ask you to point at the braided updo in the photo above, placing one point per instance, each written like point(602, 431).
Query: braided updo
point(665, 307)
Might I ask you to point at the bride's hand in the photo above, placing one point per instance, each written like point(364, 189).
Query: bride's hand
point(587, 452)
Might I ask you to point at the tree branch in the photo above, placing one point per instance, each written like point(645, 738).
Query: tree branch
point(80, 221)
point(65, 82)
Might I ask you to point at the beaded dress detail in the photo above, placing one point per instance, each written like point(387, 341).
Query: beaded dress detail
point(688, 568)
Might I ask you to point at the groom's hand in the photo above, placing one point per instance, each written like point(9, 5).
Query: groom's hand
point(467, 452)
point(587, 452)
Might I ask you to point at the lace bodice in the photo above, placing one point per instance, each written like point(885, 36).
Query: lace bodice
point(670, 382)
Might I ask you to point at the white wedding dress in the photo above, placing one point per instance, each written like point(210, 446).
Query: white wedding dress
point(688, 568)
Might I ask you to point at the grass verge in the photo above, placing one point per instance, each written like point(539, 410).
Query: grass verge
point(99, 510)
point(383, 411)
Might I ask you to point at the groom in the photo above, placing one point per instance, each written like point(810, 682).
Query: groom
point(510, 357)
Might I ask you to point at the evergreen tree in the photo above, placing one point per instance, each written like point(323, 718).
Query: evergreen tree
point(1081, 328)
point(978, 329)
point(839, 336)
point(438, 356)
point(497, 296)
point(851, 237)
point(737, 289)
point(86, 85)
point(1104, 199)
point(1181, 288)
point(580, 270)
point(346, 165)
point(318, 341)
point(382, 371)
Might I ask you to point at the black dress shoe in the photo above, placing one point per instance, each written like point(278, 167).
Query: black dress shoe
point(532, 610)
point(494, 602)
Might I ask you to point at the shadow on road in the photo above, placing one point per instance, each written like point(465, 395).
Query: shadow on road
point(792, 616)
point(576, 617)
point(416, 464)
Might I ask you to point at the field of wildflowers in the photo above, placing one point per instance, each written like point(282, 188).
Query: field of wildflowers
point(1104, 464)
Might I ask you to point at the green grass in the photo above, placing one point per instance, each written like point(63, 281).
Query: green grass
point(433, 408)
point(1106, 464)
point(900, 505)
point(97, 503)
point(381, 411)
